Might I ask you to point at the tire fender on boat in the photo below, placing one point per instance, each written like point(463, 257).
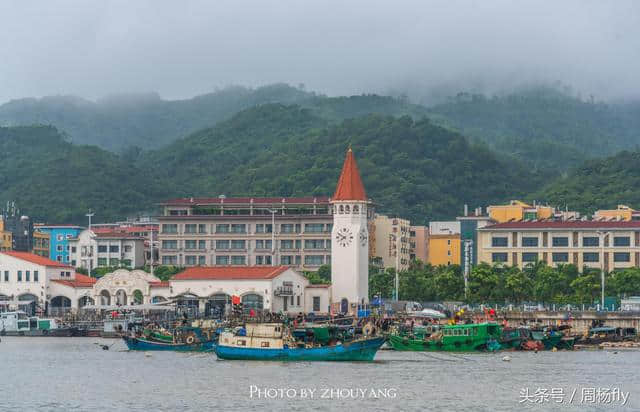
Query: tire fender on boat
point(190, 340)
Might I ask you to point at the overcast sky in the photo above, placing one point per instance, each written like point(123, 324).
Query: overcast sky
point(184, 48)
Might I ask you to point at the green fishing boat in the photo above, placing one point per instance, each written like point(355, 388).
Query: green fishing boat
point(552, 337)
point(452, 338)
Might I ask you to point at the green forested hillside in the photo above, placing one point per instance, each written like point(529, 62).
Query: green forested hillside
point(57, 182)
point(543, 126)
point(148, 122)
point(598, 184)
point(410, 167)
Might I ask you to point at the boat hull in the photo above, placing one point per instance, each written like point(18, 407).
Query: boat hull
point(363, 350)
point(145, 345)
point(58, 332)
point(419, 345)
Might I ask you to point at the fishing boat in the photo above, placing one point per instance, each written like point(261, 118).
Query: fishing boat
point(553, 337)
point(602, 334)
point(452, 338)
point(20, 324)
point(275, 342)
point(185, 339)
point(513, 338)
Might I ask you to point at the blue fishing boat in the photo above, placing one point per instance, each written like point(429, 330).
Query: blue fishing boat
point(149, 345)
point(184, 339)
point(271, 342)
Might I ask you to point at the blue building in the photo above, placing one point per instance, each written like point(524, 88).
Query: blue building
point(59, 240)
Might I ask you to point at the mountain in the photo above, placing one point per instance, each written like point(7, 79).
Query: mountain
point(543, 126)
point(411, 168)
point(598, 184)
point(58, 182)
point(117, 123)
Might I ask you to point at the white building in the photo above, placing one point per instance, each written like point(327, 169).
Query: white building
point(91, 250)
point(45, 285)
point(349, 241)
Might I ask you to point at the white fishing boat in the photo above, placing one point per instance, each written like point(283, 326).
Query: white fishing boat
point(20, 324)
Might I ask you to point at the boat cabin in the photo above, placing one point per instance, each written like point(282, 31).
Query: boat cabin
point(19, 322)
point(255, 335)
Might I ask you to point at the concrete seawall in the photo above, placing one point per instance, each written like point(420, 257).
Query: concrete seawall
point(580, 321)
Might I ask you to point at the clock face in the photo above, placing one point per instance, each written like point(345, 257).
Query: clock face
point(344, 237)
point(363, 237)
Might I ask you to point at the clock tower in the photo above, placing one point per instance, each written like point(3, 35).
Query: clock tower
point(349, 241)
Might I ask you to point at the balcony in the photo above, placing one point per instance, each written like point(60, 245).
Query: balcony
point(284, 291)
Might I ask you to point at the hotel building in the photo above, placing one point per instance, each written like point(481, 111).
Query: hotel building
point(594, 244)
point(246, 231)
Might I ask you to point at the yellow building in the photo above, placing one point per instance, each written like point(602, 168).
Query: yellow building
point(6, 238)
point(444, 243)
point(389, 244)
point(622, 213)
point(517, 211)
point(41, 243)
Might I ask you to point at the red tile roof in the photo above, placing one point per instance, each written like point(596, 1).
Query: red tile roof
point(230, 272)
point(350, 185)
point(81, 281)
point(38, 260)
point(565, 224)
point(159, 284)
point(116, 235)
point(187, 201)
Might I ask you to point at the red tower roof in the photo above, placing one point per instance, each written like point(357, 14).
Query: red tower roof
point(350, 185)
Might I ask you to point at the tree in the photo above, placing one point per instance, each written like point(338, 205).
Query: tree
point(518, 286)
point(449, 283)
point(625, 283)
point(484, 284)
point(586, 287)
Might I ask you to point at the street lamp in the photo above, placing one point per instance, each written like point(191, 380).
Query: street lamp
point(602, 236)
point(273, 234)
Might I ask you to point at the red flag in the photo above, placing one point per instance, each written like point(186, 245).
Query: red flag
point(235, 300)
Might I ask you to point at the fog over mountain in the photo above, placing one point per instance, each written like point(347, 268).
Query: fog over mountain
point(426, 49)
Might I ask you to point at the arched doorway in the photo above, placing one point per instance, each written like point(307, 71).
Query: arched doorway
point(158, 299)
point(188, 304)
point(344, 305)
point(84, 301)
point(30, 303)
point(59, 305)
point(121, 297)
point(4, 305)
point(217, 304)
point(105, 298)
point(252, 301)
point(138, 297)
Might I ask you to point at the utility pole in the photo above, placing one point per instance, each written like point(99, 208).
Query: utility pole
point(602, 236)
point(151, 249)
point(90, 215)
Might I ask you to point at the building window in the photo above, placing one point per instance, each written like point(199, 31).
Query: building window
point(202, 228)
point(59, 258)
point(102, 261)
point(19, 276)
point(621, 257)
point(190, 228)
point(222, 228)
point(238, 260)
point(313, 260)
point(222, 244)
point(286, 244)
point(6, 275)
point(202, 244)
point(590, 241)
point(238, 228)
point(170, 260)
point(73, 263)
point(314, 244)
point(59, 248)
point(222, 260)
point(591, 257)
point(264, 228)
point(114, 262)
point(73, 249)
point(313, 227)
point(316, 303)
point(529, 242)
point(499, 257)
point(202, 260)
point(190, 244)
point(560, 242)
point(298, 260)
point(60, 238)
point(170, 228)
point(238, 244)
point(530, 257)
point(190, 260)
point(499, 241)
point(263, 244)
point(128, 248)
point(259, 260)
point(126, 263)
point(621, 241)
point(170, 244)
point(102, 248)
point(284, 260)
point(287, 228)
point(560, 257)
point(114, 248)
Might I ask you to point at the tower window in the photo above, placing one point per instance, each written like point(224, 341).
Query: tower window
point(346, 209)
point(356, 210)
point(341, 209)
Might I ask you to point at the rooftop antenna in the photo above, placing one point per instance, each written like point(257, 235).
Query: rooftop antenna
point(90, 215)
